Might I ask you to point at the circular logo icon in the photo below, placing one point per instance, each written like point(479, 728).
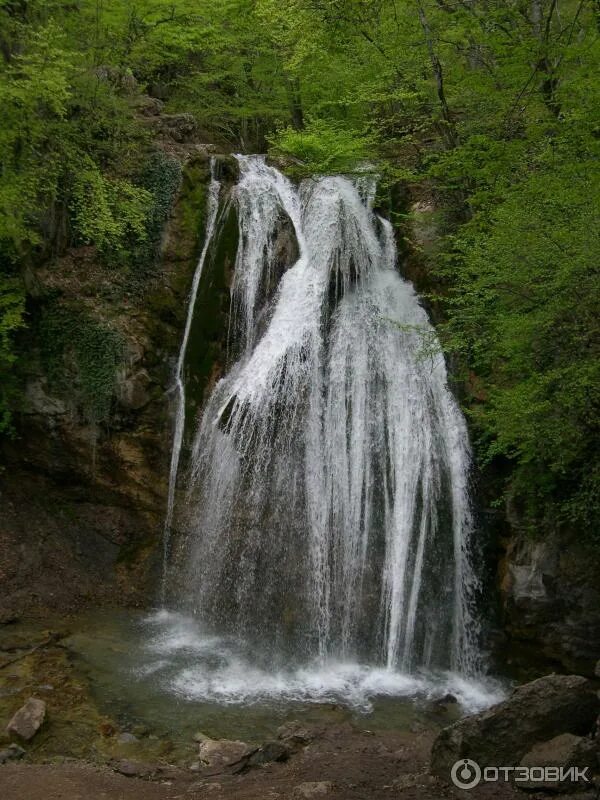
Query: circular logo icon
point(465, 773)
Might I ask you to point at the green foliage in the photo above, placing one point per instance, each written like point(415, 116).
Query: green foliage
point(491, 106)
point(34, 93)
point(323, 147)
point(83, 355)
point(109, 213)
point(161, 178)
point(523, 311)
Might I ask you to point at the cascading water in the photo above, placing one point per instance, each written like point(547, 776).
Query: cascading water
point(327, 516)
point(178, 383)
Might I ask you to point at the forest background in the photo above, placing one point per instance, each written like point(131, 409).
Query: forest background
point(489, 108)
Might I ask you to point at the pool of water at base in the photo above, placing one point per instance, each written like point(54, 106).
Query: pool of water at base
point(161, 671)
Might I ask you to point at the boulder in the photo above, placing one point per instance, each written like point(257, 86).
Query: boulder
point(28, 719)
point(222, 753)
point(310, 789)
point(534, 712)
point(566, 750)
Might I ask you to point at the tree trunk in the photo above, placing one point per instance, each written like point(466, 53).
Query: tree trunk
point(296, 112)
point(449, 131)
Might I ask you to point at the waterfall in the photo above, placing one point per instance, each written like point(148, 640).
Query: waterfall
point(327, 517)
point(178, 386)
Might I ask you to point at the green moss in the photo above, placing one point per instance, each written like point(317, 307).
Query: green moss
point(82, 354)
point(192, 206)
point(207, 345)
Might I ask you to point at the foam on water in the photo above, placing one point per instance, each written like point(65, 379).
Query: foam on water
point(199, 667)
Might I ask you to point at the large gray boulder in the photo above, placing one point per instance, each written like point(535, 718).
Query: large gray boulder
point(28, 719)
point(564, 751)
point(534, 712)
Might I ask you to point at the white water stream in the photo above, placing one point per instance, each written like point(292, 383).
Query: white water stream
point(328, 518)
point(178, 387)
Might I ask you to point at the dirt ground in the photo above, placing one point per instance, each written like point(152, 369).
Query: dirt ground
point(344, 763)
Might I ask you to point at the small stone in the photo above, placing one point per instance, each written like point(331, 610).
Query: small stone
point(135, 769)
point(106, 729)
point(127, 738)
point(597, 670)
point(310, 789)
point(28, 719)
point(295, 733)
point(447, 699)
point(221, 753)
point(269, 752)
point(201, 737)
point(206, 786)
point(12, 753)
point(195, 766)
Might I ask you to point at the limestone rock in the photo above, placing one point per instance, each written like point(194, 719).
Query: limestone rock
point(39, 401)
point(179, 127)
point(310, 789)
point(132, 390)
point(566, 750)
point(551, 596)
point(534, 712)
point(28, 719)
point(221, 753)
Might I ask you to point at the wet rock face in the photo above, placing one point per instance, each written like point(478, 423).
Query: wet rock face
point(535, 712)
point(82, 505)
point(28, 719)
point(551, 599)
